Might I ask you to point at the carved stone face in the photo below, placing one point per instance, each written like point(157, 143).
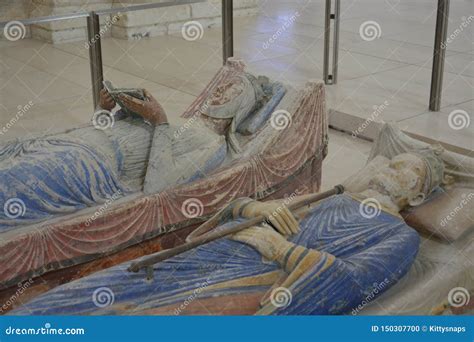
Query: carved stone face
point(226, 92)
point(215, 117)
point(402, 180)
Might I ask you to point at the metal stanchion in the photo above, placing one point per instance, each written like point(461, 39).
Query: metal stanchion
point(335, 56)
point(327, 32)
point(439, 55)
point(95, 55)
point(227, 29)
point(93, 32)
point(331, 78)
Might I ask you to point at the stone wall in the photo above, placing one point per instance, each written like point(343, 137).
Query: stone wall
point(14, 9)
point(171, 19)
point(64, 30)
point(129, 25)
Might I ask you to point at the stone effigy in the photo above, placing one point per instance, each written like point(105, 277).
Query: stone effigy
point(59, 174)
point(327, 264)
point(273, 161)
point(441, 279)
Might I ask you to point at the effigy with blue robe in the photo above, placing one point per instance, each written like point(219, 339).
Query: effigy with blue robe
point(359, 253)
point(43, 177)
point(49, 176)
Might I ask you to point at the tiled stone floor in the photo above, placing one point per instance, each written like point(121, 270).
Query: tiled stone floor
point(394, 68)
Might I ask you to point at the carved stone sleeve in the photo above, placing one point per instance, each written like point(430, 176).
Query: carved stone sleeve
point(161, 169)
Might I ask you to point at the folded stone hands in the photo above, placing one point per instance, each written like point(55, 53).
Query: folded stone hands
point(150, 110)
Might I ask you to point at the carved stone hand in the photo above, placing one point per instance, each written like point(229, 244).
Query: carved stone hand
point(277, 214)
point(272, 245)
point(106, 101)
point(150, 110)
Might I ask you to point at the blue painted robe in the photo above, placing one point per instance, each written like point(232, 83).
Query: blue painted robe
point(43, 177)
point(368, 252)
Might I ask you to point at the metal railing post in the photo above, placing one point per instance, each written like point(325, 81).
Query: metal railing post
point(439, 54)
point(335, 56)
point(331, 78)
point(227, 29)
point(95, 55)
point(114, 10)
point(94, 39)
point(327, 32)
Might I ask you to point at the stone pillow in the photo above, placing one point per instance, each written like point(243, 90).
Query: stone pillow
point(448, 214)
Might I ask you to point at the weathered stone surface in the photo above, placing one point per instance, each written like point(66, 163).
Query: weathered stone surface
point(138, 32)
point(155, 16)
point(213, 8)
point(274, 163)
point(444, 223)
point(130, 25)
